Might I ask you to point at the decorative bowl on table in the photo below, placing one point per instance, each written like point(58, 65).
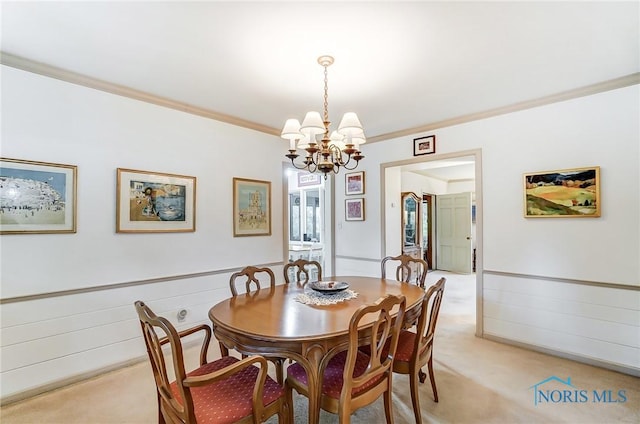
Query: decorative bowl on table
point(328, 286)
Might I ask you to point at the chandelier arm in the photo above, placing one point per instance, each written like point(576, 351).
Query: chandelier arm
point(339, 157)
point(340, 160)
point(311, 167)
point(352, 168)
point(297, 166)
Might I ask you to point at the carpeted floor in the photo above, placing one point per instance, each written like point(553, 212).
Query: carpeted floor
point(479, 381)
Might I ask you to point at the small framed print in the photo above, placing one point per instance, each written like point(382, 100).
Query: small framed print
point(155, 202)
point(354, 183)
point(424, 145)
point(306, 179)
point(354, 209)
point(37, 197)
point(251, 207)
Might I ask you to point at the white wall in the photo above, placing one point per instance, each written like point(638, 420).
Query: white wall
point(43, 119)
point(558, 258)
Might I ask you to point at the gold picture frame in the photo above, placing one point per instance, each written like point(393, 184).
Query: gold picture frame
point(155, 202)
point(565, 193)
point(354, 183)
point(37, 197)
point(354, 209)
point(251, 207)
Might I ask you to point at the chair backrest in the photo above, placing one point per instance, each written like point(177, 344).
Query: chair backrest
point(384, 326)
point(428, 319)
point(408, 268)
point(169, 406)
point(251, 276)
point(302, 271)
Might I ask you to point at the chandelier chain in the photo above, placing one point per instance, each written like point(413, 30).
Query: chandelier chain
point(326, 94)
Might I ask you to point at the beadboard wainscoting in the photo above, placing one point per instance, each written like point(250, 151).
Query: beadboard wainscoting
point(586, 321)
point(51, 340)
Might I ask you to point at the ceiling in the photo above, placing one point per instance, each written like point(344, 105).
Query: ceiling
point(458, 169)
point(402, 66)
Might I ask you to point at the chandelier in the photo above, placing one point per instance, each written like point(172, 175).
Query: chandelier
point(340, 149)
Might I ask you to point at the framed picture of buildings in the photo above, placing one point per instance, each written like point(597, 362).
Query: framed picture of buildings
point(251, 207)
point(563, 193)
point(155, 202)
point(37, 197)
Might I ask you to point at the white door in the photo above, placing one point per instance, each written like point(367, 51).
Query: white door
point(453, 233)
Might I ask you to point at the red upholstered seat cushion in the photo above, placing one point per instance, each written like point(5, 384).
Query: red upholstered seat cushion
point(333, 374)
point(406, 341)
point(228, 400)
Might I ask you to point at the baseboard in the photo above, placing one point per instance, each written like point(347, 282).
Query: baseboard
point(78, 378)
point(566, 355)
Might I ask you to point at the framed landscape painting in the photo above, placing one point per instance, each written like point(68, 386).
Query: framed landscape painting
point(37, 197)
point(566, 193)
point(251, 207)
point(155, 202)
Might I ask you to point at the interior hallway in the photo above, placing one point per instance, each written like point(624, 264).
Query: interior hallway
point(479, 381)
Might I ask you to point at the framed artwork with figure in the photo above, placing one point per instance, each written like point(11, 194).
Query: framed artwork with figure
point(154, 202)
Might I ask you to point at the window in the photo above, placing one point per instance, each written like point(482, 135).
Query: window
point(305, 216)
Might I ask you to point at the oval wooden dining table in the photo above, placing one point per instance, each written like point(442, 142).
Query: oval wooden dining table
point(272, 323)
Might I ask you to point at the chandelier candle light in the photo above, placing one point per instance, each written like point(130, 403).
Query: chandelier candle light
point(338, 150)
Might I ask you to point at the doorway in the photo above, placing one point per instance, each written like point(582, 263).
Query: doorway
point(308, 218)
point(391, 186)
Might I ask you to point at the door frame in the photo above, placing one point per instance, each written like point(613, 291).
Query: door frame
point(477, 155)
point(429, 200)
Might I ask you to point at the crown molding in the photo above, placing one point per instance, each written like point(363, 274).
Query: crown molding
point(79, 79)
point(83, 80)
point(625, 81)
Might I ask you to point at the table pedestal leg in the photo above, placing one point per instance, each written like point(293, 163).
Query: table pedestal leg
point(314, 382)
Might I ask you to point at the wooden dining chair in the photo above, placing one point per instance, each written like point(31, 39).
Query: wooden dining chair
point(408, 268)
point(301, 271)
point(226, 390)
point(352, 379)
point(255, 278)
point(415, 349)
